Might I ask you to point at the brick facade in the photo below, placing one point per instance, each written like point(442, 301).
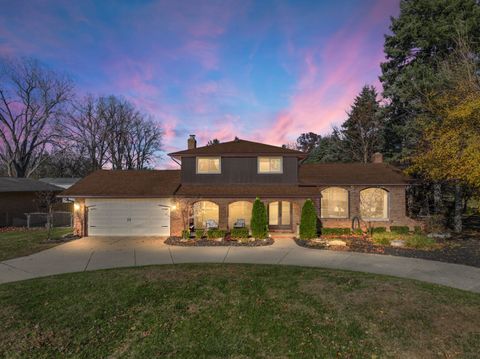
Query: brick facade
point(396, 210)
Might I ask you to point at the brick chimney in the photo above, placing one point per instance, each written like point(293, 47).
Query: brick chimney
point(192, 142)
point(377, 157)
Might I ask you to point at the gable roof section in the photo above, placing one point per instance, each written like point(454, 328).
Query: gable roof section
point(236, 148)
point(319, 174)
point(12, 184)
point(134, 183)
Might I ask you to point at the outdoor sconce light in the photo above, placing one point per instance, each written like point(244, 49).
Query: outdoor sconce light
point(76, 206)
point(173, 207)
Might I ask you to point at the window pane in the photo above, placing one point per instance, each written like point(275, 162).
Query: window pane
point(334, 203)
point(238, 211)
point(374, 203)
point(264, 165)
point(273, 213)
point(204, 211)
point(285, 213)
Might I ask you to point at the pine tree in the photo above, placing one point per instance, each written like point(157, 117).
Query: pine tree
point(362, 131)
point(308, 221)
point(259, 223)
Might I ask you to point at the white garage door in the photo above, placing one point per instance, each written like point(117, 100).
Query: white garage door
point(128, 217)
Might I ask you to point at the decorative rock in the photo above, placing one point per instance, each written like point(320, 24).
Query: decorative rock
point(439, 235)
point(218, 239)
point(318, 240)
point(337, 242)
point(397, 243)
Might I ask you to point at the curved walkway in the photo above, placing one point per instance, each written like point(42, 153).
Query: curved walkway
point(102, 252)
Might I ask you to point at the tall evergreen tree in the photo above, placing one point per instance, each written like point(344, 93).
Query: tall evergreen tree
point(362, 131)
point(421, 37)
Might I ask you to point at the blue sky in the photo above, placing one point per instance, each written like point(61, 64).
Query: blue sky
point(261, 70)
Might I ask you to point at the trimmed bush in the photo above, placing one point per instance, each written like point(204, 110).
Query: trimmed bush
point(239, 233)
point(215, 233)
point(357, 231)
point(400, 229)
point(378, 230)
point(308, 221)
point(417, 230)
point(259, 222)
point(336, 231)
point(186, 234)
point(199, 233)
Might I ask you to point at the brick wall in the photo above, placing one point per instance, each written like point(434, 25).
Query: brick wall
point(176, 223)
point(397, 210)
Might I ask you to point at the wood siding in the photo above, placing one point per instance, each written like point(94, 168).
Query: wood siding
point(240, 170)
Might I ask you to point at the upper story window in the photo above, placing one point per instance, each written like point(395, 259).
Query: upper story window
point(209, 165)
point(270, 165)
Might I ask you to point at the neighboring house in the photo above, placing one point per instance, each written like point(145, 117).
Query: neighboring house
point(19, 196)
point(64, 182)
point(218, 184)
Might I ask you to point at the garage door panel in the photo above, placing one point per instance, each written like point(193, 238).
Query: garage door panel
point(129, 217)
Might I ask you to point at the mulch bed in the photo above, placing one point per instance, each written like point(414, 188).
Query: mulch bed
point(456, 250)
point(204, 242)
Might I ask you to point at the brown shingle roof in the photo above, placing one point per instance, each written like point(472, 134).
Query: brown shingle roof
point(239, 190)
point(105, 183)
point(238, 147)
point(351, 174)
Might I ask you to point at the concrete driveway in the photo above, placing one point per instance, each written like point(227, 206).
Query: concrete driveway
point(92, 253)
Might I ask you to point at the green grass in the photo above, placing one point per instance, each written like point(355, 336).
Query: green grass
point(24, 242)
point(240, 311)
point(412, 240)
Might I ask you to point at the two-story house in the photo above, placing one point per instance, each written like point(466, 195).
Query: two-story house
point(217, 184)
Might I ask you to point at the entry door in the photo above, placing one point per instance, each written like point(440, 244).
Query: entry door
point(280, 215)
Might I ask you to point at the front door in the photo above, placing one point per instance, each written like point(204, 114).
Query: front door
point(280, 215)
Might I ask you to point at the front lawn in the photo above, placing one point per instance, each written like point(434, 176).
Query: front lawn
point(237, 311)
point(23, 242)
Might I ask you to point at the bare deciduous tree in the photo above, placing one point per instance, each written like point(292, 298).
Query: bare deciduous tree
point(32, 101)
point(112, 131)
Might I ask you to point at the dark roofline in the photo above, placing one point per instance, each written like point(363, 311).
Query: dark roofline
point(198, 151)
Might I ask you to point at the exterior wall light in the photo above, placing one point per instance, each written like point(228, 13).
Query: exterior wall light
point(76, 206)
point(173, 207)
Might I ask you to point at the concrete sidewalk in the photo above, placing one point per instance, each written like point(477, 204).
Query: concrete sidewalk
point(100, 253)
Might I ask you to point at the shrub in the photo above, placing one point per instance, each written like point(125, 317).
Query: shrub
point(259, 222)
point(215, 233)
point(400, 229)
point(199, 233)
point(186, 234)
point(308, 221)
point(420, 241)
point(336, 231)
point(239, 233)
point(378, 230)
point(417, 230)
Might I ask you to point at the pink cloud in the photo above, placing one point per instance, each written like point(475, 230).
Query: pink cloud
point(331, 76)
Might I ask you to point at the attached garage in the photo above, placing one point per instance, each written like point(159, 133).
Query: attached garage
point(128, 217)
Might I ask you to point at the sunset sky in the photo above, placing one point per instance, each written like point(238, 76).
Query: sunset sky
point(260, 70)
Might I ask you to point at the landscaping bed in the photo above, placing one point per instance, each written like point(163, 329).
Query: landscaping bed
point(454, 250)
point(235, 311)
point(227, 241)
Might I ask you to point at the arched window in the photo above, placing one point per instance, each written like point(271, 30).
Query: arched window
point(334, 203)
point(205, 214)
point(239, 212)
point(374, 203)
